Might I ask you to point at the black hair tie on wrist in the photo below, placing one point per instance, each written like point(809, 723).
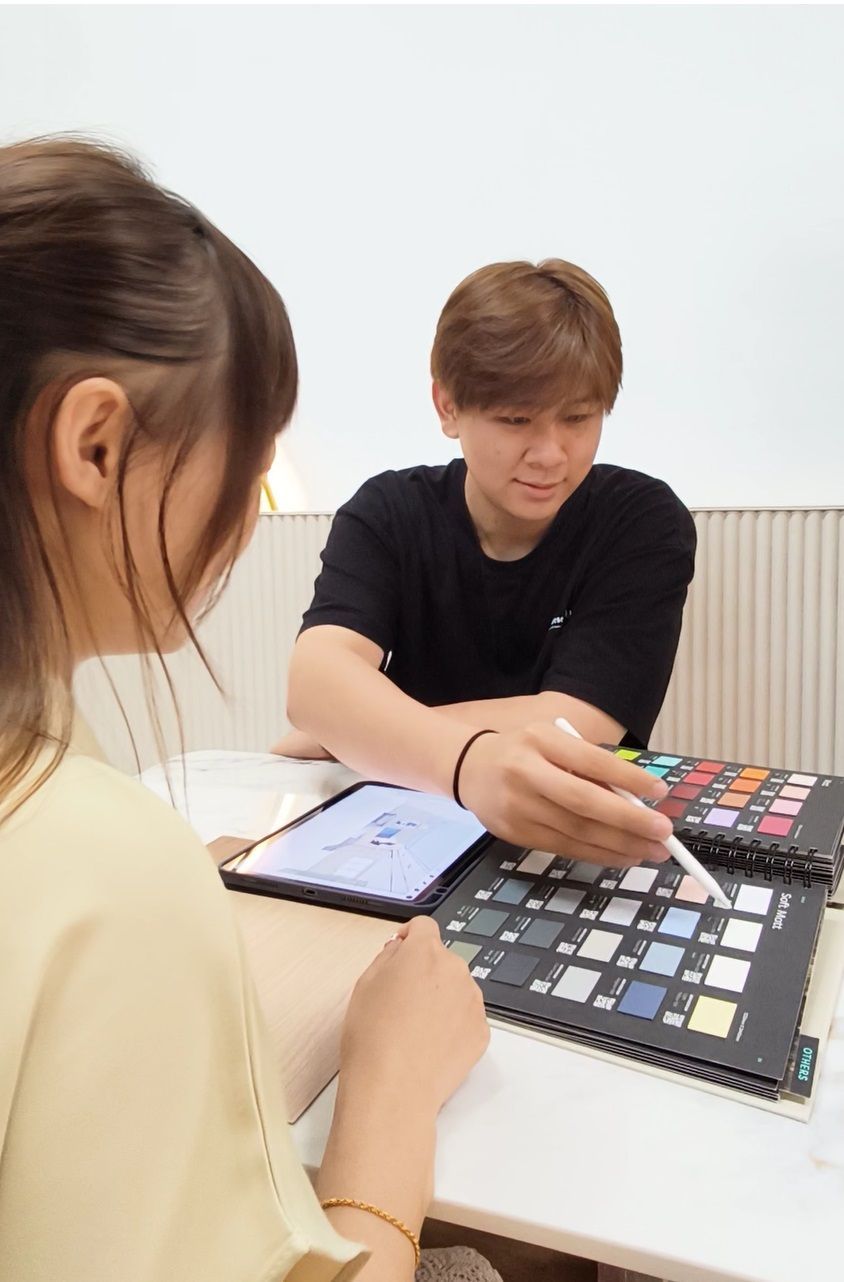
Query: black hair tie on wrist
point(455, 784)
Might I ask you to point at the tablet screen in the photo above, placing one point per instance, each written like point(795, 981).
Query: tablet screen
point(376, 840)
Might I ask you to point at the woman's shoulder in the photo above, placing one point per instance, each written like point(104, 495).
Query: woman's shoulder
point(91, 839)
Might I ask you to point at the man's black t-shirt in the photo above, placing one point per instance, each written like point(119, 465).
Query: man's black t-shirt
point(593, 611)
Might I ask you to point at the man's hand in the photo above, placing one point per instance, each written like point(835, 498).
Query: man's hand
point(538, 787)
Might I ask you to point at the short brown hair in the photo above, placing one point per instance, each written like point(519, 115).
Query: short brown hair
point(537, 336)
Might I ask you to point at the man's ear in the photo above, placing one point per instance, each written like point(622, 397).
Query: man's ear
point(87, 439)
point(446, 410)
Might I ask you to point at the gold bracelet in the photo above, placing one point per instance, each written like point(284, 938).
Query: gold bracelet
point(382, 1215)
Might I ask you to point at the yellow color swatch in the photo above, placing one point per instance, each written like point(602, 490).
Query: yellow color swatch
point(713, 1016)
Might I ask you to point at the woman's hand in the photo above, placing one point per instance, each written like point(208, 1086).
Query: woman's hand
point(415, 1024)
point(414, 1028)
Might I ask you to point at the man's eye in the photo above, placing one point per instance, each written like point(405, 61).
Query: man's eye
point(513, 420)
point(576, 418)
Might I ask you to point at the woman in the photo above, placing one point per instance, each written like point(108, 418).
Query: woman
point(145, 369)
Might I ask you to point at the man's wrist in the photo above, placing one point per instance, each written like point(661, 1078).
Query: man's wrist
point(458, 767)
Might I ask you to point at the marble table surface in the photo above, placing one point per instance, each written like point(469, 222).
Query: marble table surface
point(548, 1145)
point(553, 1147)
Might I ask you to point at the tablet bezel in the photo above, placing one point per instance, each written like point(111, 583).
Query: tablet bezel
point(334, 897)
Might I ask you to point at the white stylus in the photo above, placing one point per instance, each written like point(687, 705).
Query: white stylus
point(675, 848)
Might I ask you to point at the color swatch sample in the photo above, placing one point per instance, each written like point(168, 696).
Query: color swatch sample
point(638, 878)
point(727, 972)
point(640, 960)
point(512, 891)
point(465, 950)
point(515, 969)
point(576, 984)
point(642, 1000)
point(620, 911)
point(565, 901)
point(679, 921)
point(754, 899)
point(740, 934)
point(535, 862)
point(583, 872)
point(541, 933)
point(487, 921)
point(712, 1016)
point(600, 945)
point(691, 891)
point(738, 815)
point(662, 959)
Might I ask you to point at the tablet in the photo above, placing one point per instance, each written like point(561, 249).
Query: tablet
point(374, 848)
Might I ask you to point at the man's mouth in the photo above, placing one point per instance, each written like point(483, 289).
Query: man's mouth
point(540, 487)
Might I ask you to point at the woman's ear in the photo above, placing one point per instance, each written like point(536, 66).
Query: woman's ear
point(87, 439)
point(446, 410)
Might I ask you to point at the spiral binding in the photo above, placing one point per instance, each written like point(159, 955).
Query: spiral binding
point(756, 860)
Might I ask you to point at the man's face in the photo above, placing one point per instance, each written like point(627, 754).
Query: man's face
point(525, 463)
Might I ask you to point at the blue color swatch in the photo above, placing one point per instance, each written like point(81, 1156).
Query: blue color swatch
point(662, 959)
point(642, 1000)
point(679, 921)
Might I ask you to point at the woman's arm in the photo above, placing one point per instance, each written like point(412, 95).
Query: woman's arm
point(414, 1028)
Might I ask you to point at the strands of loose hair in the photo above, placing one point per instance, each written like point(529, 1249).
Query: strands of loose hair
point(103, 273)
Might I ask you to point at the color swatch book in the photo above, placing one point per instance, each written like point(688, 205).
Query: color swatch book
point(640, 963)
point(781, 823)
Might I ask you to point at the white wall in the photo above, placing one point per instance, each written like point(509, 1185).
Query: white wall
point(369, 157)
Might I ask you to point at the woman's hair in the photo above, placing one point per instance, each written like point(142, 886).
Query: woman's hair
point(530, 336)
point(104, 273)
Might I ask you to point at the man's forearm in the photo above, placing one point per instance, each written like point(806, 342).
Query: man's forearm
point(521, 710)
point(366, 722)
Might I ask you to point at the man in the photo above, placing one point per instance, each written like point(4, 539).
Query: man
point(515, 585)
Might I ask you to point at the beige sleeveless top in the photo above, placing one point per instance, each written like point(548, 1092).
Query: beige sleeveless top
point(142, 1130)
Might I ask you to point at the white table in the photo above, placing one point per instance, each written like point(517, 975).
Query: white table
point(553, 1147)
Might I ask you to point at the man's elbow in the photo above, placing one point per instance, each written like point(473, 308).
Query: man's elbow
point(293, 713)
point(593, 724)
point(298, 691)
point(324, 663)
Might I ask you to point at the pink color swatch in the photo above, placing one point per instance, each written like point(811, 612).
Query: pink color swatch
point(774, 826)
